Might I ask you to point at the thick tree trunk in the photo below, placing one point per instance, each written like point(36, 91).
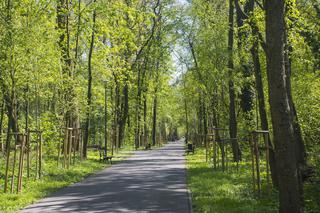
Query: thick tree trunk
point(89, 92)
point(232, 107)
point(105, 120)
point(117, 114)
point(200, 123)
point(145, 125)
point(154, 119)
point(155, 104)
point(11, 104)
point(9, 93)
point(115, 100)
point(124, 113)
point(290, 196)
point(204, 120)
point(187, 120)
point(137, 112)
point(141, 80)
point(300, 146)
point(67, 93)
point(304, 171)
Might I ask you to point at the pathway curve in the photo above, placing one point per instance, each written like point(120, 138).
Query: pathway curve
point(149, 181)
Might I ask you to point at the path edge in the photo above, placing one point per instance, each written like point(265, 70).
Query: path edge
point(189, 200)
point(189, 194)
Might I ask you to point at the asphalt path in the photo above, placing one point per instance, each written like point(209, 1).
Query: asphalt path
point(149, 181)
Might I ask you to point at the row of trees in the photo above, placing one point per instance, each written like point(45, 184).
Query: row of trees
point(239, 55)
point(74, 64)
point(105, 67)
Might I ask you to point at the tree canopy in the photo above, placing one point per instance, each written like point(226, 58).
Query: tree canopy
point(139, 72)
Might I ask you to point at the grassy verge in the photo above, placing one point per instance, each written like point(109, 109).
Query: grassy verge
point(225, 192)
point(54, 178)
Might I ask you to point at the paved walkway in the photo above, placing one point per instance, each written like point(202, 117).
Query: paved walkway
point(150, 181)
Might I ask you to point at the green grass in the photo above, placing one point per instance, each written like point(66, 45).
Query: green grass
point(54, 178)
point(225, 192)
point(312, 188)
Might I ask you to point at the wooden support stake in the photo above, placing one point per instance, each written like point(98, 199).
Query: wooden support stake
point(256, 150)
point(13, 167)
point(59, 147)
point(74, 148)
point(80, 144)
point(226, 155)
point(266, 140)
point(40, 154)
point(218, 156)
point(69, 147)
point(6, 178)
point(28, 149)
point(223, 156)
point(238, 154)
point(214, 151)
point(207, 148)
point(37, 158)
point(252, 163)
point(20, 172)
point(65, 143)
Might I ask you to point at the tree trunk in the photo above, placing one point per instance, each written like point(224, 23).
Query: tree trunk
point(27, 108)
point(9, 94)
point(300, 146)
point(232, 108)
point(204, 120)
point(290, 196)
point(187, 120)
point(262, 108)
point(89, 92)
point(67, 94)
point(137, 112)
point(154, 119)
point(141, 80)
point(117, 113)
point(246, 97)
point(124, 113)
point(200, 123)
point(145, 126)
point(76, 51)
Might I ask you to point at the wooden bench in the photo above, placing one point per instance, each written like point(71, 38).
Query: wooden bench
point(190, 148)
point(148, 146)
point(104, 157)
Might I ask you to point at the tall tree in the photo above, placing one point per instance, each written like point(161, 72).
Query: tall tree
point(248, 15)
point(89, 91)
point(290, 194)
point(233, 129)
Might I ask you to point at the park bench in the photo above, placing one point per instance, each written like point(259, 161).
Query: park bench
point(104, 157)
point(190, 148)
point(148, 146)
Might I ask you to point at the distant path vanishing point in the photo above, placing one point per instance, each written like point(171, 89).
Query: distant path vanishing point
point(149, 181)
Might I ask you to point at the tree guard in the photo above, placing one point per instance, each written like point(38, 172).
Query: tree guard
point(255, 159)
point(34, 147)
point(70, 145)
point(18, 149)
